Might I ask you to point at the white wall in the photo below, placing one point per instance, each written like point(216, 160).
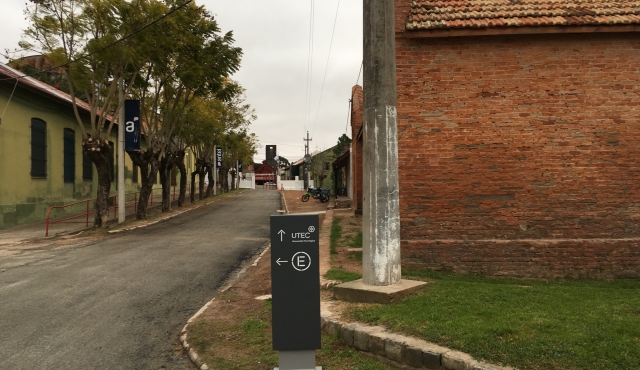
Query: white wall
point(248, 183)
point(293, 184)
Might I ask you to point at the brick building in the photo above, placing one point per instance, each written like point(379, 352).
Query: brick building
point(356, 149)
point(519, 140)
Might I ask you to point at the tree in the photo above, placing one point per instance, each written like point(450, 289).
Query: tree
point(343, 143)
point(202, 128)
point(80, 37)
point(190, 60)
point(283, 162)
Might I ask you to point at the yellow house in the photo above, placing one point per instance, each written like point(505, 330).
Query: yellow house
point(41, 159)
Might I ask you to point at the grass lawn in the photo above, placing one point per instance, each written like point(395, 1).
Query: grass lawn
point(522, 323)
point(246, 344)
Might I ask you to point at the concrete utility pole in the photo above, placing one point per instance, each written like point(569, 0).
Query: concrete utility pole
point(381, 216)
point(307, 159)
point(121, 124)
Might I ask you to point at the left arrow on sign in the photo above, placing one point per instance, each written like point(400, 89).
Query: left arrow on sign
point(279, 262)
point(281, 233)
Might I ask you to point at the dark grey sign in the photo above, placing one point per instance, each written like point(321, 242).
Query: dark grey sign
point(218, 157)
point(132, 125)
point(295, 282)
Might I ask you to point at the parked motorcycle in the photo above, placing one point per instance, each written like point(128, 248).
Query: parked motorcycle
point(324, 195)
point(316, 193)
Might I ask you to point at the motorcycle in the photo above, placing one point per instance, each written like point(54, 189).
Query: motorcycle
point(324, 195)
point(316, 193)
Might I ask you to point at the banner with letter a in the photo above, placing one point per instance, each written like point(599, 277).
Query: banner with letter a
point(132, 125)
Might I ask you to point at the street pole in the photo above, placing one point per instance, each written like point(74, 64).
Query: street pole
point(381, 216)
point(121, 124)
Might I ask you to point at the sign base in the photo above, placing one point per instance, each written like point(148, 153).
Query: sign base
point(297, 360)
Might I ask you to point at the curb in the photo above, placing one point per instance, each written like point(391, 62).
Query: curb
point(193, 355)
point(399, 350)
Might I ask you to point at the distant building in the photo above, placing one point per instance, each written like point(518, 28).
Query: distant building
point(271, 153)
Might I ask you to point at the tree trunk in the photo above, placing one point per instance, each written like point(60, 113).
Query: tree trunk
point(210, 173)
point(165, 181)
point(224, 171)
point(193, 187)
point(100, 153)
point(167, 163)
point(183, 178)
point(149, 164)
point(201, 174)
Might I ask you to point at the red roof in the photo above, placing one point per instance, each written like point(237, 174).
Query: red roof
point(447, 14)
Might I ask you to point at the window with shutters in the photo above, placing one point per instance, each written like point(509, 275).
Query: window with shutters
point(38, 148)
point(87, 167)
point(69, 155)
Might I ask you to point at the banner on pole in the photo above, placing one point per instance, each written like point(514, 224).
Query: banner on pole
point(132, 125)
point(218, 157)
point(239, 166)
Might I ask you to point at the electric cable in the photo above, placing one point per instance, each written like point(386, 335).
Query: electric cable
point(326, 68)
point(109, 45)
point(307, 102)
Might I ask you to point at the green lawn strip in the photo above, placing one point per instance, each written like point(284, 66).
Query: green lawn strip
point(522, 323)
point(341, 275)
point(336, 233)
point(356, 240)
point(252, 348)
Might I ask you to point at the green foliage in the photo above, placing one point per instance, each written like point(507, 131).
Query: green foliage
point(523, 323)
point(283, 162)
point(356, 240)
point(342, 275)
point(343, 142)
point(336, 233)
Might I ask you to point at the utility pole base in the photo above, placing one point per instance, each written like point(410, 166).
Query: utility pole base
point(357, 291)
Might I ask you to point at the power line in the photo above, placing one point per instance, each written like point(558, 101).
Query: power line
point(109, 45)
point(335, 21)
point(307, 103)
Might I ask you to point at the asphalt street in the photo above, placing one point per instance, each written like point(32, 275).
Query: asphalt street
point(119, 303)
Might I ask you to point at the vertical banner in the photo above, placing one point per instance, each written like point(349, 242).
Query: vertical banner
point(132, 125)
point(218, 157)
point(239, 166)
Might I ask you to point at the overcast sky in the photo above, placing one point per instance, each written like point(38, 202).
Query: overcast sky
point(274, 36)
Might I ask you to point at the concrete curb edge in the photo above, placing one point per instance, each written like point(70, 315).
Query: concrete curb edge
point(399, 350)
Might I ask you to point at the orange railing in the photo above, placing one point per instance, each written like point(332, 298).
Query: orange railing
point(88, 211)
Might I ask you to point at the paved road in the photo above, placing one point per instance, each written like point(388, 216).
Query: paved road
point(120, 303)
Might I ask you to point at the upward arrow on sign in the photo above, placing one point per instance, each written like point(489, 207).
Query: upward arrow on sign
point(281, 233)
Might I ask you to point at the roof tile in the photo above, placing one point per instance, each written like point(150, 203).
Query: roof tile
point(432, 14)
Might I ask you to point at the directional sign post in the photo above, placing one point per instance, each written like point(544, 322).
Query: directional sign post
point(295, 288)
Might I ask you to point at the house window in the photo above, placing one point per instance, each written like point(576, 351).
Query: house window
point(38, 148)
point(134, 176)
point(69, 155)
point(326, 166)
point(87, 167)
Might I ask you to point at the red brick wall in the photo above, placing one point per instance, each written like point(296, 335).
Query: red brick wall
point(356, 146)
point(520, 155)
